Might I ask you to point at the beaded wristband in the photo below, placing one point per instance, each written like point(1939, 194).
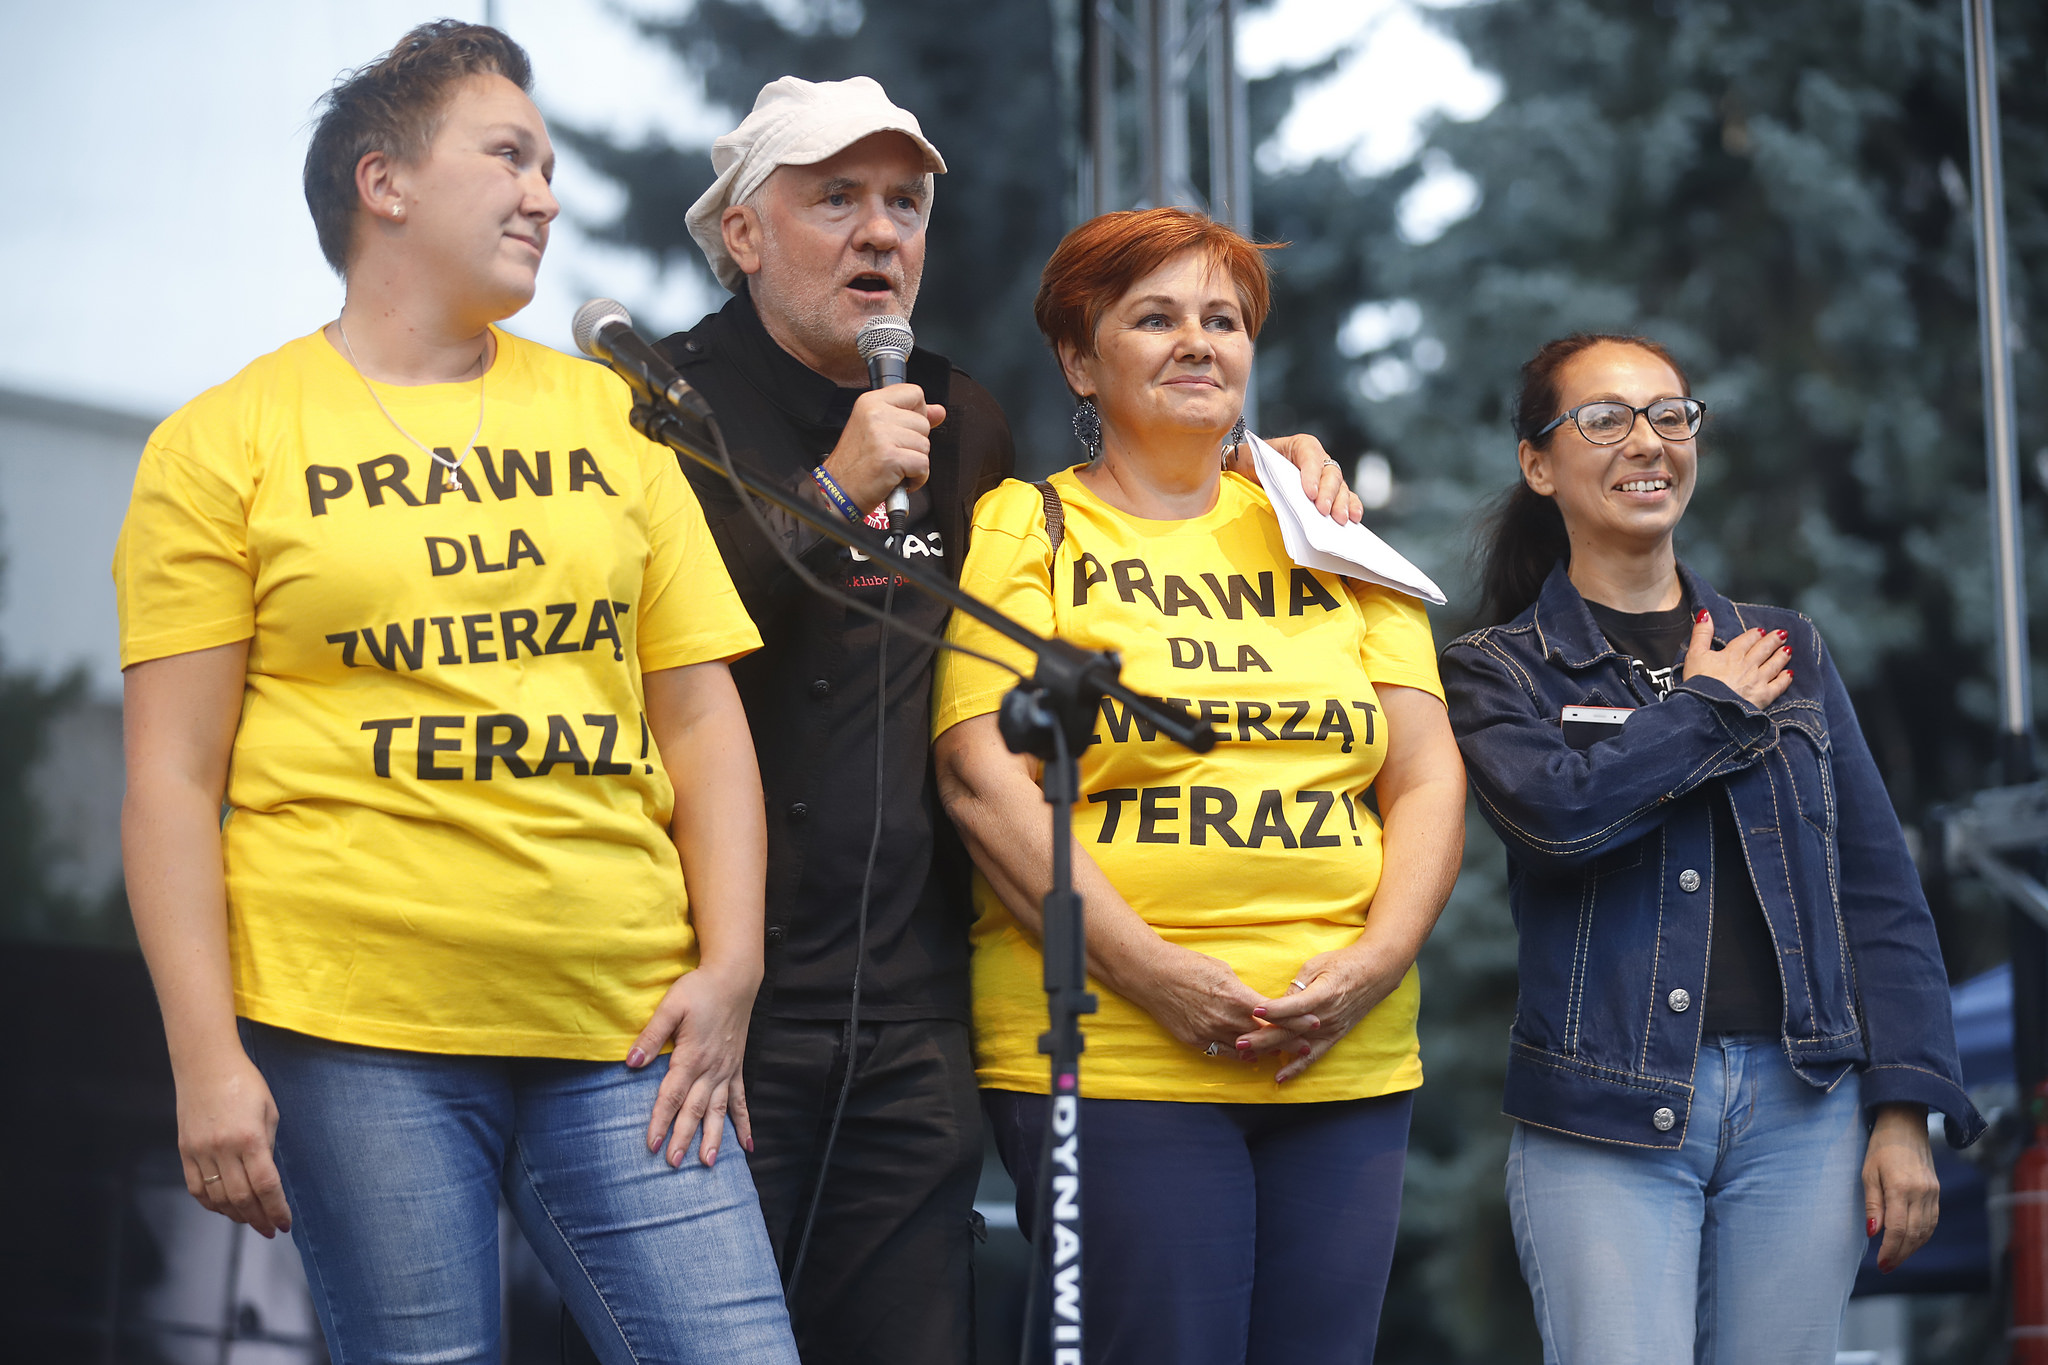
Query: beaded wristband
point(835, 494)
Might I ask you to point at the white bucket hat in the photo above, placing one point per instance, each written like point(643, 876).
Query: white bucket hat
point(795, 123)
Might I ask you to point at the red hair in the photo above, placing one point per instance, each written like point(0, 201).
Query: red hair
point(1098, 262)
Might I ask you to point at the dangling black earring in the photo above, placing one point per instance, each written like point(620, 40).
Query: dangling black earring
point(1234, 443)
point(1088, 428)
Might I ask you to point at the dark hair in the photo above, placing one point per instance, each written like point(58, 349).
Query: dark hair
point(1098, 261)
point(393, 106)
point(1522, 536)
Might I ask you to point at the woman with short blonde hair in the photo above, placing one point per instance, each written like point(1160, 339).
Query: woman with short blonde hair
point(494, 833)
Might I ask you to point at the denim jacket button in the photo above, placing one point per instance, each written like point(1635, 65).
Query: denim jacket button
point(1663, 1120)
point(1688, 880)
point(1680, 1000)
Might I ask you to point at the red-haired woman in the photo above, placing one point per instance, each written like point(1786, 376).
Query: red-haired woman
point(1252, 928)
point(467, 705)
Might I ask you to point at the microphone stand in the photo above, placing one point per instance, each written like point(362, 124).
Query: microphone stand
point(1051, 717)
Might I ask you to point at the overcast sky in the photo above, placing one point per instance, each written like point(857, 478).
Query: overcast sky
point(156, 151)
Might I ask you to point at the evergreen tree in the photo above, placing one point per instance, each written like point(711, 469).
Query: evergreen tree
point(1778, 190)
point(35, 905)
point(986, 90)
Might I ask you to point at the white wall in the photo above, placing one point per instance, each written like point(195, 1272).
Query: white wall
point(65, 472)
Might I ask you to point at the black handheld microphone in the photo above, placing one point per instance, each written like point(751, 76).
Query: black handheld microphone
point(604, 331)
point(885, 342)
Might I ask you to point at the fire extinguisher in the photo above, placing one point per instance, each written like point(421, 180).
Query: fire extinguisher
point(2029, 1245)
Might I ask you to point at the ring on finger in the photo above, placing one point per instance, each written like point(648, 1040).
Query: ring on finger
point(1214, 1049)
point(210, 1180)
point(1297, 985)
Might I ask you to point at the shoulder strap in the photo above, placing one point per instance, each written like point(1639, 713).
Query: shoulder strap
point(1055, 513)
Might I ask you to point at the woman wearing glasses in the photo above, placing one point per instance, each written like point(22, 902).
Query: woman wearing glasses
point(1733, 1018)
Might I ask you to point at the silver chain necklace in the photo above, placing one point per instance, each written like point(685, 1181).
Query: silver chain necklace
point(453, 477)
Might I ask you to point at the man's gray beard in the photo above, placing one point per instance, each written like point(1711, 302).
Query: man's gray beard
point(804, 312)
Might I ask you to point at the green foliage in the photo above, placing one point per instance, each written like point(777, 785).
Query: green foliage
point(1779, 191)
point(983, 84)
point(34, 905)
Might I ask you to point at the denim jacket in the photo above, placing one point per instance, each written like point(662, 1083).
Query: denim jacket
point(1611, 873)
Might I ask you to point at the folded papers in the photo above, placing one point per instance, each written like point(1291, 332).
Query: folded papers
point(1316, 542)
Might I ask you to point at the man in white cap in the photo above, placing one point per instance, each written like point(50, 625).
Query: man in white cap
point(816, 222)
point(859, 1074)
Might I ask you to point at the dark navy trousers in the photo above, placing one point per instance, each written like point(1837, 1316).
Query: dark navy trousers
point(1225, 1234)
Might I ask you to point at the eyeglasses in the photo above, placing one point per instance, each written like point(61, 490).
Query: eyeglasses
point(1606, 424)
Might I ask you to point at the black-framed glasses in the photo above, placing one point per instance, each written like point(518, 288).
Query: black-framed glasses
point(1606, 423)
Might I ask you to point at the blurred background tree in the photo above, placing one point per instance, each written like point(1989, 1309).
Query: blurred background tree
point(1779, 191)
point(987, 91)
point(1776, 189)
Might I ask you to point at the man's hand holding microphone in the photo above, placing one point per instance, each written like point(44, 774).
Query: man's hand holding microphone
point(886, 448)
point(887, 442)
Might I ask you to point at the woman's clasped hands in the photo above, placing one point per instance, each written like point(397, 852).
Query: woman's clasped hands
point(1204, 1004)
point(1331, 995)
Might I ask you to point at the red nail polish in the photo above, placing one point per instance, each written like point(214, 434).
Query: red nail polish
point(747, 1143)
point(1306, 1049)
point(1870, 1227)
point(1783, 636)
point(1884, 1267)
point(1700, 617)
point(1786, 650)
point(1243, 1046)
point(1259, 1011)
point(636, 1058)
point(1788, 672)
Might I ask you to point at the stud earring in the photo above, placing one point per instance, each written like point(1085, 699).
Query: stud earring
point(398, 210)
point(1088, 428)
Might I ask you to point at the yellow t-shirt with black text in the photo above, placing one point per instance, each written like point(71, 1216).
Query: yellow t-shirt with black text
point(1262, 852)
point(447, 824)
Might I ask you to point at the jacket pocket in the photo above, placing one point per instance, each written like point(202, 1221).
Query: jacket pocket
point(1809, 769)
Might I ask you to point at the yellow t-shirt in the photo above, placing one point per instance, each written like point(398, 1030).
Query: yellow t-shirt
point(1261, 852)
point(447, 825)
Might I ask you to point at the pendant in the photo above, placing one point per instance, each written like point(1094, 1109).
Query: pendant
point(452, 483)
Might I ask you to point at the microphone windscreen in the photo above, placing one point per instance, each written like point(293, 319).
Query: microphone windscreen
point(885, 334)
point(592, 316)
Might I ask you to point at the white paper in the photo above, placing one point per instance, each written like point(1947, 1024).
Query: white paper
point(1316, 542)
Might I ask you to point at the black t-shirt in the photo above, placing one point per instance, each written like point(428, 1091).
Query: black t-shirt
point(843, 819)
point(1744, 992)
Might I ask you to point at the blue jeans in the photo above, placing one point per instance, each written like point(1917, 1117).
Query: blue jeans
point(1737, 1248)
point(1220, 1234)
point(393, 1163)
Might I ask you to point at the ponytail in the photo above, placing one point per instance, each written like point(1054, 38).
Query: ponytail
point(1523, 535)
point(1520, 541)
